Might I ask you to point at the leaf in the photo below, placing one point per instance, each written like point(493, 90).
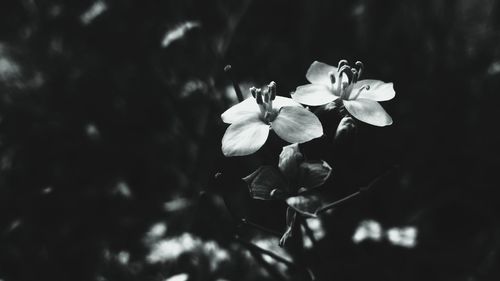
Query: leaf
point(267, 183)
point(314, 173)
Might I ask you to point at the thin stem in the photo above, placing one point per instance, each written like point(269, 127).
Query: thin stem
point(273, 255)
point(259, 227)
point(336, 203)
point(236, 86)
point(355, 194)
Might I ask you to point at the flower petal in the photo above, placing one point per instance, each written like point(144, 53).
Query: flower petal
point(314, 173)
point(313, 94)
point(280, 102)
point(368, 111)
point(245, 136)
point(318, 73)
point(378, 90)
point(241, 110)
point(297, 125)
point(263, 181)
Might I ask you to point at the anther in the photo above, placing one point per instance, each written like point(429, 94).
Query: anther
point(360, 66)
point(347, 70)
point(342, 63)
point(272, 89)
point(259, 96)
point(253, 91)
point(266, 95)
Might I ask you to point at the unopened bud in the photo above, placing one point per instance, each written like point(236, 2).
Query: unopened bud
point(345, 128)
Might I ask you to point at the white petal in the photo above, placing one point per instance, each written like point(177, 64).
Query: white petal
point(378, 90)
point(241, 110)
point(245, 137)
point(313, 94)
point(318, 73)
point(297, 125)
point(279, 102)
point(368, 111)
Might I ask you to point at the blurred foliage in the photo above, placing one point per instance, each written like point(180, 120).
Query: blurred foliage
point(108, 131)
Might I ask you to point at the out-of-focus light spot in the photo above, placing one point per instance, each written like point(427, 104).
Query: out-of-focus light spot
point(123, 257)
point(123, 189)
point(191, 87)
point(178, 32)
point(178, 277)
point(404, 237)
point(93, 12)
point(230, 94)
point(176, 204)
point(14, 225)
point(9, 69)
point(494, 68)
point(47, 190)
point(317, 230)
point(156, 232)
point(168, 250)
point(359, 10)
point(272, 244)
point(367, 229)
point(55, 10)
point(92, 131)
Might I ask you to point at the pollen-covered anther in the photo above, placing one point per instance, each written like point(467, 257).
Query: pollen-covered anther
point(272, 90)
point(342, 63)
point(253, 91)
point(360, 66)
point(346, 69)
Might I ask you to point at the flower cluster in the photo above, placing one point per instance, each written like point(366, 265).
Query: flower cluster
point(296, 178)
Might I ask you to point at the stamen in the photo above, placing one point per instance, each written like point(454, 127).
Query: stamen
point(360, 66)
point(347, 70)
point(365, 87)
point(342, 63)
point(266, 96)
point(354, 75)
point(259, 96)
point(253, 91)
point(272, 89)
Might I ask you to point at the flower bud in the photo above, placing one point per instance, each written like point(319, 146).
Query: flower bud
point(345, 128)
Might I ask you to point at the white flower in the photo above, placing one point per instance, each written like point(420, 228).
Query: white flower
point(252, 119)
point(359, 97)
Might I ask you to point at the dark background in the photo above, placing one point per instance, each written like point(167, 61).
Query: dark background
point(101, 125)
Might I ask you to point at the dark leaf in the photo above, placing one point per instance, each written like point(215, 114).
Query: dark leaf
point(266, 181)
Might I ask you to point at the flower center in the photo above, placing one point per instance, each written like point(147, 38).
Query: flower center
point(348, 76)
point(265, 99)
